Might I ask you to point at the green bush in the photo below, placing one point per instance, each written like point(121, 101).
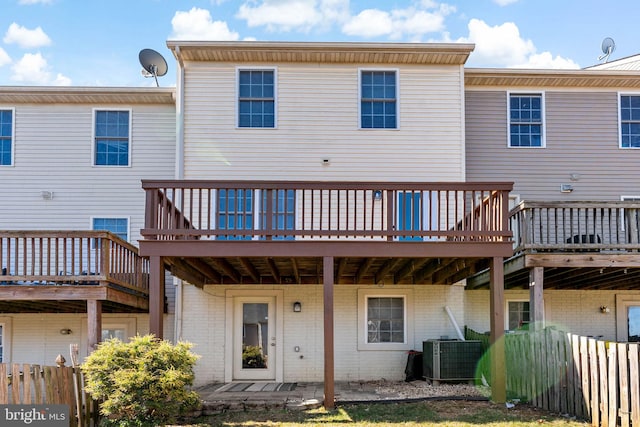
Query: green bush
point(142, 382)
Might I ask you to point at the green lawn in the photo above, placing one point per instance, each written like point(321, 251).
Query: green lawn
point(430, 413)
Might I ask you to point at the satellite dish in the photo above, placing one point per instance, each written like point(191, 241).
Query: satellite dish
point(153, 64)
point(608, 46)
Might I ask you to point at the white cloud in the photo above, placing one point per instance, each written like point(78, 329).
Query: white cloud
point(34, 1)
point(499, 45)
point(504, 2)
point(32, 68)
point(502, 46)
point(369, 23)
point(61, 80)
point(279, 15)
point(546, 60)
point(4, 57)
point(25, 37)
point(197, 24)
point(410, 22)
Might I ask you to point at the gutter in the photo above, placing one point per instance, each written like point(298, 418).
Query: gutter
point(179, 175)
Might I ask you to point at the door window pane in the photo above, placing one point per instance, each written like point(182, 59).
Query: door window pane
point(255, 335)
point(634, 323)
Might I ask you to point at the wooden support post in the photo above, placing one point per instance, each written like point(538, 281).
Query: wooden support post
point(94, 324)
point(497, 355)
point(329, 392)
point(156, 296)
point(536, 300)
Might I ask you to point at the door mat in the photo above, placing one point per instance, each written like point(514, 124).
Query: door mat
point(255, 387)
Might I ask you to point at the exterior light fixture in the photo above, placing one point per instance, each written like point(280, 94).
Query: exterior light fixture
point(297, 307)
point(377, 194)
point(65, 331)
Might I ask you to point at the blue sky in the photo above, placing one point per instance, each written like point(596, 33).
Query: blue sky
point(96, 43)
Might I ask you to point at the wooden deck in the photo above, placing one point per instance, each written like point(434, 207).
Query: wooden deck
point(59, 271)
point(580, 245)
point(378, 232)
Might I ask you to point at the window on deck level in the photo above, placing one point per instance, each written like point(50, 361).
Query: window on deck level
point(6, 137)
point(117, 226)
point(112, 138)
point(235, 212)
point(256, 99)
point(526, 120)
point(630, 121)
point(283, 206)
point(378, 100)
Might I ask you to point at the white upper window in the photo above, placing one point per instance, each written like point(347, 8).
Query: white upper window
point(629, 121)
point(257, 98)
point(526, 120)
point(112, 138)
point(6, 137)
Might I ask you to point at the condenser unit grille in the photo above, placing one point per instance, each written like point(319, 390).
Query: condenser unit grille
point(451, 360)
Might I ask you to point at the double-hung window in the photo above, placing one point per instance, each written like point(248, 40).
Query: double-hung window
point(378, 99)
point(526, 120)
point(112, 138)
point(385, 318)
point(6, 137)
point(256, 99)
point(629, 121)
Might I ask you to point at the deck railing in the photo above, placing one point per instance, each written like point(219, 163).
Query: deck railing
point(72, 258)
point(279, 210)
point(576, 226)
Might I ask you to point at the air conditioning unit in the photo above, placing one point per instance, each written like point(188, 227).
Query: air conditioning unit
point(450, 360)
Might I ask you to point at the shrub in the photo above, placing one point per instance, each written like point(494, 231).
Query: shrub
point(142, 382)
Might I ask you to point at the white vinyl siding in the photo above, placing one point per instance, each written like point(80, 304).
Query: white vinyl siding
point(56, 152)
point(318, 119)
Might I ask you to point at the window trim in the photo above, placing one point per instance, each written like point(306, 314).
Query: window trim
point(620, 95)
point(6, 323)
point(94, 111)
point(622, 305)
point(367, 69)
point(125, 217)
point(13, 136)
point(543, 122)
point(506, 311)
point(407, 295)
point(275, 96)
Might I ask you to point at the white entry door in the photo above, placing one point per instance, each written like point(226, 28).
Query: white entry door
point(255, 341)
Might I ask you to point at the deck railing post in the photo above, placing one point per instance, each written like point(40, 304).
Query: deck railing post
point(269, 214)
point(104, 269)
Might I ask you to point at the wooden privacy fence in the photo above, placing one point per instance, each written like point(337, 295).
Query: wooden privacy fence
point(38, 385)
point(570, 374)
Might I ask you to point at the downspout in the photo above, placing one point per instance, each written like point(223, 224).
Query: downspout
point(179, 174)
